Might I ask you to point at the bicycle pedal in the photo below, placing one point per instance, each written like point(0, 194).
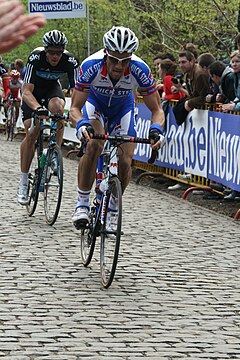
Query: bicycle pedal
point(81, 225)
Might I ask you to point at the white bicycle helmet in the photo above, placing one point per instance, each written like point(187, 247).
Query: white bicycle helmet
point(54, 38)
point(120, 39)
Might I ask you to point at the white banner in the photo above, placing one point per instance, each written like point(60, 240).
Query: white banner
point(63, 9)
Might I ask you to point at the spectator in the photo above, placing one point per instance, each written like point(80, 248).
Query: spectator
point(19, 66)
point(190, 47)
point(197, 86)
point(204, 60)
point(157, 62)
point(234, 105)
point(167, 71)
point(222, 75)
point(158, 59)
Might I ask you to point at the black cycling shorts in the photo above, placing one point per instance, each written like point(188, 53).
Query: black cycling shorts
point(43, 96)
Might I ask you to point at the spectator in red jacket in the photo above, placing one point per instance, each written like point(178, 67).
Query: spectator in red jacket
point(167, 72)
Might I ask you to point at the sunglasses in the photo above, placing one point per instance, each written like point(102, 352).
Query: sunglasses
point(116, 60)
point(55, 52)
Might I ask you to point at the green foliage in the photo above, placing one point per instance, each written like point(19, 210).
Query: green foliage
point(162, 26)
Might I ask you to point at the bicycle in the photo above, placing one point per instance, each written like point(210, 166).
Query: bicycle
point(107, 186)
point(11, 118)
point(46, 171)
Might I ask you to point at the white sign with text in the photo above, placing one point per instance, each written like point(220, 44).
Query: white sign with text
point(63, 9)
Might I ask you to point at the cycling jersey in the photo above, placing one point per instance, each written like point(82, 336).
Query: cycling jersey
point(40, 73)
point(4, 76)
point(113, 104)
point(3, 70)
point(14, 90)
point(93, 78)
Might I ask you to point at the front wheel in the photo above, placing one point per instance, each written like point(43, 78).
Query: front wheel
point(53, 184)
point(111, 231)
point(91, 231)
point(33, 185)
point(10, 123)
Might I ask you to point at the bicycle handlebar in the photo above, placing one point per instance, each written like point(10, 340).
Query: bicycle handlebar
point(120, 139)
point(51, 116)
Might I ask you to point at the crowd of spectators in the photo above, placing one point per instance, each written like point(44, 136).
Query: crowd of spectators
point(194, 80)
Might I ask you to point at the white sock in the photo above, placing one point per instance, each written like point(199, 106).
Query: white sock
point(83, 198)
point(23, 179)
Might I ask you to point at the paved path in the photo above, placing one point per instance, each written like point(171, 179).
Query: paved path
point(175, 296)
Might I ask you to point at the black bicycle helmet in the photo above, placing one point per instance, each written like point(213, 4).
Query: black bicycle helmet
point(54, 38)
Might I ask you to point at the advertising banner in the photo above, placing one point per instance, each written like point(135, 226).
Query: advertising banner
point(53, 9)
point(207, 144)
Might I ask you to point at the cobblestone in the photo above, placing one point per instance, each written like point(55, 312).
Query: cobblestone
point(175, 294)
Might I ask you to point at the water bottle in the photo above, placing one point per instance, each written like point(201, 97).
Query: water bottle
point(101, 189)
point(103, 185)
point(43, 158)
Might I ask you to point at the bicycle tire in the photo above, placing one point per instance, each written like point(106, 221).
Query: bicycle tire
point(7, 129)
point(8, 123)
point(110, 240)
point(13, 112)
point(33, 184)
point(89, 234)
point(53, 184)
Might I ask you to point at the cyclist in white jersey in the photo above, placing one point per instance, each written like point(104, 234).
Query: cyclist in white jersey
point(103, 100)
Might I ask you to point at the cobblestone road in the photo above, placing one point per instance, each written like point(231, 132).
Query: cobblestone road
point(175, 296)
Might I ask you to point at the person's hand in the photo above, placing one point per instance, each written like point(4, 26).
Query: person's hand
point(15, 27)
point(41, 112)
point(227, 107)
point(83, 130)
point(156, 136)
point(209, 98)
point(177, 87)
point(187, 107)
point(159, 86)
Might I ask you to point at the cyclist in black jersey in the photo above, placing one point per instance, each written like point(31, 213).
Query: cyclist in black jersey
point(42, 89)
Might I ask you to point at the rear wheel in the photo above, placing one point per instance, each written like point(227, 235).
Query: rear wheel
point(33, 185)
point(111, 232)
point(53, 184)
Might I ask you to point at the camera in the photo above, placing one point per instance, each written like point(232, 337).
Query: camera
point(178, 79)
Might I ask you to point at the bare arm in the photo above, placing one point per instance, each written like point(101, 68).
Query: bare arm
point(78, 101)
point(153, 103)
point(28, 97)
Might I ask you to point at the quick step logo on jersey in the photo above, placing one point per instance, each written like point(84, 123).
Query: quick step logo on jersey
point(53, 9)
